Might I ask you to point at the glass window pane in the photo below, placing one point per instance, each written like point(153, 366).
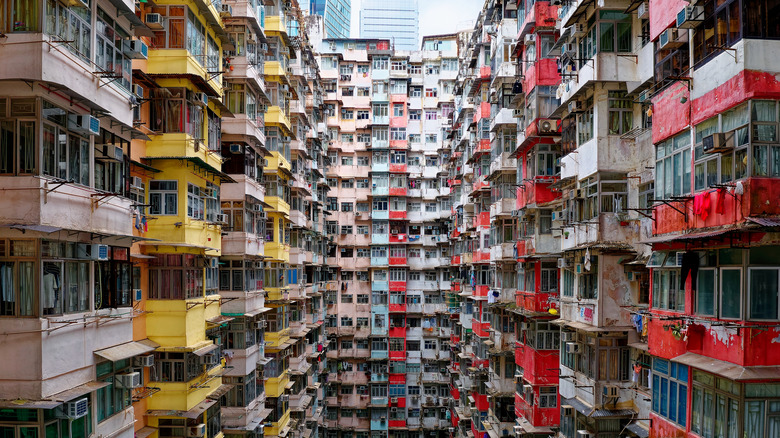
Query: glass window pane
point(731, 280)
point(763, 293)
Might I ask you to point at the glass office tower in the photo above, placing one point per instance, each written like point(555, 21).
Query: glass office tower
point(337, 16)
point(396, 20)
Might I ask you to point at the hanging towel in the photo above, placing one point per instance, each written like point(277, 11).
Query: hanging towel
point(645, 322)
point(144, 224)
point(721, 200)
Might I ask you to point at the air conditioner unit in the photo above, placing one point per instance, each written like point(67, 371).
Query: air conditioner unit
point(668, 39)
point(145, 361)
point(578, 29)
point(116, 152)
point(679, 258)
point(644, 96)
point(611, 391)
point(196, 431)
point(568, 336)
point(138, 295)
point(138, 91)
point(154, 21)
point(690, 16)
point(357, 213)
point(84, 124)
point(393, 410)
point(222, 218)
point(227, 10)
point(286, 138)
point(563, 263)
point(530, 39)
point(518, 430)
point(572, 347)
point(642, 11)
point(77, 408)
point(136, 182)
point(584, 434)
point(202, 98)
point(99, 252)
point(718, 142)
point(236, 148)
point(547, 127)
point(135, 49)
point(574, 106)
point(261, 324)
point(128, 381)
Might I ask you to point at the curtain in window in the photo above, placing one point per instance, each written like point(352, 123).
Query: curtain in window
point(7, 292)
point(26, 288)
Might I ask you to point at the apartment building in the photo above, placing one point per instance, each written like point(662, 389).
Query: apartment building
point(66, 305)
point(388, 202)
point(136, 171)
point(712, 301)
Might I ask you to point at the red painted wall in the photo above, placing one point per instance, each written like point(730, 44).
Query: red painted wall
point(748, 84)
point(670, 116)
point(663, 13)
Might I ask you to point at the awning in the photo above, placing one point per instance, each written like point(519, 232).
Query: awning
point(192, 414)
point(219, 320)
point(257, 312)
point(126, 350)
point(180, 245)
point(555, 50)
point(205, 350)
point(145, 432)
point(640, 346)
point(530, 428)
point(289, 385)
point(79, 391)
point(765, 221)
point(705, 234)
point(141, 256)
point(39, 228)
point(590, 328)
point(637, 430)
point(608, 413)
point(219, 392)
point(578, 406)
point(727, 369)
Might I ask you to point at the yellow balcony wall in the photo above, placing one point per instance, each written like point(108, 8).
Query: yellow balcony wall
point(275, 386)
point(276, 24)
point(278, 426)
point(275, 339)
point(276, 70)
point(277, 160)
point(276, 117)
point(277, 251)
point(180, 62)
point(170, 323)
point(181, 145)
point(183, 396)
point(180, 228)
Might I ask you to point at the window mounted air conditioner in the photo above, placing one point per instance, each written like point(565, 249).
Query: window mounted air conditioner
point(196, 431)
point(568, 336)
point(138, 295)
point(575, 106)
point(222, 219)
point(578, 29)
point(227, 10)
point(98, 252)
point(84, 124)
point(584, 434)
point(128, 381)
point(668, 39)
point(644, 96)
point(563, 263)
point(611, 391)
point(573, 348)
point(135, 49)
point(145, 361)
point(718, 142)
point(136, 183)
point(642, 11)
point(547, 127)
point(530, 39)
point(202, 98)
point(690, 16)
point(154, 21)
point(236, 148)
point(77, 408)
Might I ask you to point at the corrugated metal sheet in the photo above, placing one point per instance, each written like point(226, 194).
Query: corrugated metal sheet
point(766, 221)
point(727, 369)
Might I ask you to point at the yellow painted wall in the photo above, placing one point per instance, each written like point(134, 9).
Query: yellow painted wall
point(170, 324)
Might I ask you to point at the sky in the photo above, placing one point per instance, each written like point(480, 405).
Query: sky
point(436, 16)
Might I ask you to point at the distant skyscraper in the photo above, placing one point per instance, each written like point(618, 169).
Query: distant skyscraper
point(396, 20)
point(337, 15)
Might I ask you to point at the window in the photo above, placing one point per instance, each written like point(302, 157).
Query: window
point(163, 197)
point(585, 123)
point(415, 114)
point(672, 168)
point(431, 92)
point(111, 399)
point(347, 184)
point(415, 92)
point(363, 160)
point(195, 204)
point(175, 276)
point(346, 207)
point(670, 390)
point(397, 133)
point(548, 396)
point(621, 116)
point(764, 291)
point(667, 291)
